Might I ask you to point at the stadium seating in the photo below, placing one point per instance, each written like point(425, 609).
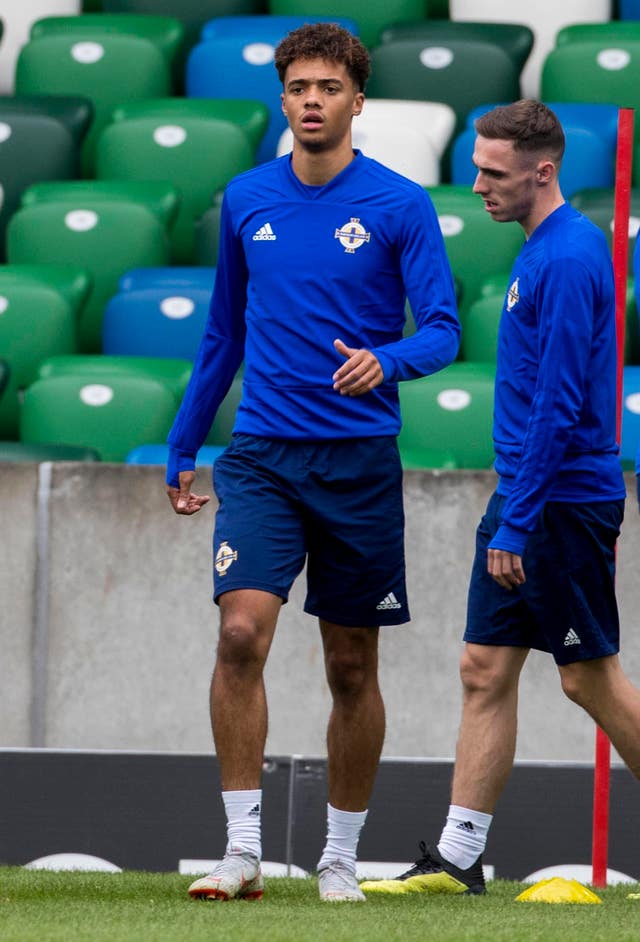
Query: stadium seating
point(222, 427)
point(173, 373)
point(155, 322)
point(106, 67)
point(188, 145)
point(594, 71)
point(480, 334)
point(371, 17)
point(608, 32)
point(629, 9)
point(230, 67)
point(17, 19)
point(192, 13)
point(545, 18)
point(410, 137)
point(598, 205)
point(40, 139)
point(476, 246)
point(106, 227)
point(5, 372)
point(111, 416)
point(166, 32)
point(269, 28)
point(515, 38)
point(450, 411)
point(39, 307)
point(208, 233)
point(462, 73)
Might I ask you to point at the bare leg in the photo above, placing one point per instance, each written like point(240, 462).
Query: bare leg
point(602, 689)
point(487, 736)
point(238, 702)
point(357, 723)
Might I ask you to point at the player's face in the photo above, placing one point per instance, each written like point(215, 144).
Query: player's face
point(507, 180)
point(319, 100)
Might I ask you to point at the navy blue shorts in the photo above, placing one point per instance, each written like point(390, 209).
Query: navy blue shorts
point(335, 505)
point(567, 606)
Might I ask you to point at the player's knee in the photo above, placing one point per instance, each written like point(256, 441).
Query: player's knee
point(348, 672)
point(239, 643)
point(483, 676)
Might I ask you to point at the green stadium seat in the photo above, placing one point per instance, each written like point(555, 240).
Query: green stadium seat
point(111, 417)
point(39, 310)
point(609, 32)
point(185, 143)
point(450, 411)
point(27, 451)
point(598, 205)
point(106, 67)
point(222, 427)
point(370, 17)
point(16, 19)
point(207, 235)
point(476, 245)
point(173, 373)
point(423, 459)
point(515, 38)
point(594, 71)
point(480, 335)
point(193, 14)
point(102, 227)
point(40, 139)
point(165, 32)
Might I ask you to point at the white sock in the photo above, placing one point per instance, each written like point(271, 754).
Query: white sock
point(243, 820)
point(464, 836)
point(343, 833)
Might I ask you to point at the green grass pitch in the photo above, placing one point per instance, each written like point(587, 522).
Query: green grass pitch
point(41, 906)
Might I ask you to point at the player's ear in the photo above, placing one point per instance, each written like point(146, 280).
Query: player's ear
point(545, 172)
point(284, 107)
point(358, 104)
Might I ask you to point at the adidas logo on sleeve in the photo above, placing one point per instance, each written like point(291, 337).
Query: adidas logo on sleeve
point(265, 234)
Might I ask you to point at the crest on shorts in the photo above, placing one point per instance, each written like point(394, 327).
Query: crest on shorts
point(224, 557)
point(352, 235)
point(513, 295)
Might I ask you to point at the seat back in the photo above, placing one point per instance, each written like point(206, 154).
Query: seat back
point(371, 18)
point(112, 417)
point(156, 322)
point(198, 153)
point(451, 411)
point(107, 68)
point(105, 234)
point(39, 308)
point(17, 20)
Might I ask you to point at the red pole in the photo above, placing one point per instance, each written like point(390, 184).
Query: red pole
point(624, 159)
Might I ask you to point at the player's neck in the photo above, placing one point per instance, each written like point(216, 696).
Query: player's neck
point(315, 168)
point(541, 211)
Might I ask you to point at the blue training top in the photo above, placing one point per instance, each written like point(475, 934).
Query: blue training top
point(555, 402)
point(298, 267)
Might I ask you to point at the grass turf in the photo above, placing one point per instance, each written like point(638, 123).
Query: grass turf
point(41, 906)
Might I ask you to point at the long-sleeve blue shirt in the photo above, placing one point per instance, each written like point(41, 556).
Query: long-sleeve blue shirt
point(300, 266)
point(555, 401)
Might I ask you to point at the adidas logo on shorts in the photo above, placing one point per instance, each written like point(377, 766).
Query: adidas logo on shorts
point(572, 638)
point(389, 601)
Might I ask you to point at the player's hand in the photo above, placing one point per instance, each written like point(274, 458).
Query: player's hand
point(506, 568)
point(360, 374)
point(182, 500)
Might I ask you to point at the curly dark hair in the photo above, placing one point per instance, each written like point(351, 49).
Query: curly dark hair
point(529, 124)
point(325, 41)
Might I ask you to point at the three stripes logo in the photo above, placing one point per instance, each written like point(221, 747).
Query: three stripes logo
point(571, 638)
point(466, 826)
point(265, 234)
point(255, 812)
point(389, 601)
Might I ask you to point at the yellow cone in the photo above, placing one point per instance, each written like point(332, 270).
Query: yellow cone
point(558, 890)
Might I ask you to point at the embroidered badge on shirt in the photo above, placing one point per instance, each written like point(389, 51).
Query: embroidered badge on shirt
point(513, 295)
point(352, 235)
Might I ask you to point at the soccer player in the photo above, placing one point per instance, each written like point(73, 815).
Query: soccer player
point(543, 575)
point(318, 251)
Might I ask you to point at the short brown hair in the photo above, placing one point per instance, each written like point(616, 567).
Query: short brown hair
point(531, 126)
point(325, 41)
